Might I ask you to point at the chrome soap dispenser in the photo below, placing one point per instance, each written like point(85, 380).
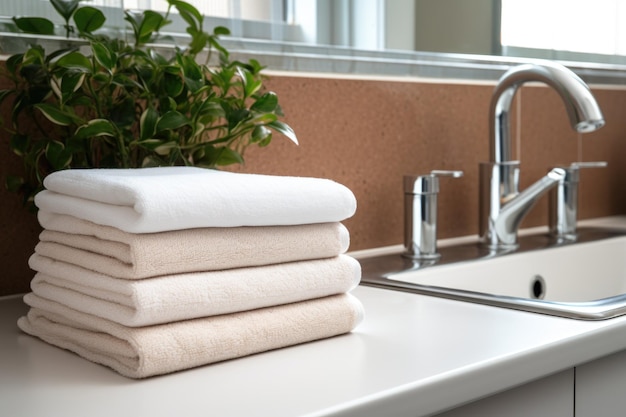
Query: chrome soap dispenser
point(420, 214)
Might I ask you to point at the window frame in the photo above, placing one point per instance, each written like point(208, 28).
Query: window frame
point(278, 47)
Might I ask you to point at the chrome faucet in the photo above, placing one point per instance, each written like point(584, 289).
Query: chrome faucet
point(563, 206)
point(502, 206)
point(420, 214)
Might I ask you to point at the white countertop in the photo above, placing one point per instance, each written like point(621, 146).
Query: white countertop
point(413, 355)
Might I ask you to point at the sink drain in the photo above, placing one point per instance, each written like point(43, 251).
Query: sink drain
point(538, 287)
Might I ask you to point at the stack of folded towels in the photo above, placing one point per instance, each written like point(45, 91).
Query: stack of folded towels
point(149, 271)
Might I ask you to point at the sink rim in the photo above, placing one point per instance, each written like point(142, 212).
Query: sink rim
point(375, 272)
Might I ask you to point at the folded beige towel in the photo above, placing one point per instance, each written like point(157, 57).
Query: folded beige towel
point(153, 350)
point(146, 200)
point(121, 254)
point(185, 296)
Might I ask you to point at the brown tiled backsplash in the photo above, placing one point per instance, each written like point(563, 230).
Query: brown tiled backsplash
point(367, 134)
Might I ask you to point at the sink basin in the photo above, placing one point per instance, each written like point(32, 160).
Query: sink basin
point(582, 280)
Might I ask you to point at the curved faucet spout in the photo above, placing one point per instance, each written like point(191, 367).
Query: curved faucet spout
point(583, 110)
point(502, 206)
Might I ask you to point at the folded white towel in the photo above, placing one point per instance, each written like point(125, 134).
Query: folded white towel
point(185, 296)
point(149, 200)
point(153, 350)
point(121, 254)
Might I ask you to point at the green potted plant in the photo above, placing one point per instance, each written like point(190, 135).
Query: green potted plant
point(111, 102)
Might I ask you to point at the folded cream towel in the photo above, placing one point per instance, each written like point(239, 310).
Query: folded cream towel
point(153, 350)
point(121, 254)
point(149, 200)
point(170, 298)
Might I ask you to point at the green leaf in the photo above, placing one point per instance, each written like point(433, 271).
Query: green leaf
point(56, 115)
point(125, 81)
point(145, 24)
point(150, 144)
point(58, 53)
point(158, 58)
point(158, 146)
point(172, 120)
point(221, 30)
point(266, 141)
point(174, 84)
point(57, 155)
point(104, 56)
point(88, 19)
point(14, 62)
point(219, 156)
point(250, 84)
point(134, 18)
point(151, 23)
point(215, 44)
point(147, 123)
point(75, 61)
point(192, 71)
point(95, 127)
point(284, 129)
point(266, 103)
point(166, 148)
point(101, 77)
point(189, 13)
point(193, 85)
point(33, 56)
point(209, 108)
point(227, 156)
point(55, 86)
point(65, 7)
point(236, 117)
point(79, 100)
point(167, 104)
point(19, 144)
point(263, 119)
point(35, 25)
point(71, 82)
point(260, 134)
point(151, 161)
point(255, 66)
point(198, 41)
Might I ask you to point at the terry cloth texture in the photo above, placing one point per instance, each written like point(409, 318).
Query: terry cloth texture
point(153, 350)
point(121, 254)
point(185, 296)
point(146, 200)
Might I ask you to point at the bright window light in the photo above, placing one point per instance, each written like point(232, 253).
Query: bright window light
point(590, 26)
point(259, 10)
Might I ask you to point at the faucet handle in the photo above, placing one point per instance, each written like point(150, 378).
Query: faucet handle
point(429, 183)
point(595, 164)
point(420, 214)
point(446, 173)
point(563, 208)
point(572, 171)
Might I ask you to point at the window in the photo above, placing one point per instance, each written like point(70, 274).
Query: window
point(264, 10)
point(572, 26)
point(225, 12)
point(380, 36)
point(353, 23)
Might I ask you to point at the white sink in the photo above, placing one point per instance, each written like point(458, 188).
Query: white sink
point(582, 280)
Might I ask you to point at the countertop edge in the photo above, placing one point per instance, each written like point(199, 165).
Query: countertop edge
point(456, 388)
